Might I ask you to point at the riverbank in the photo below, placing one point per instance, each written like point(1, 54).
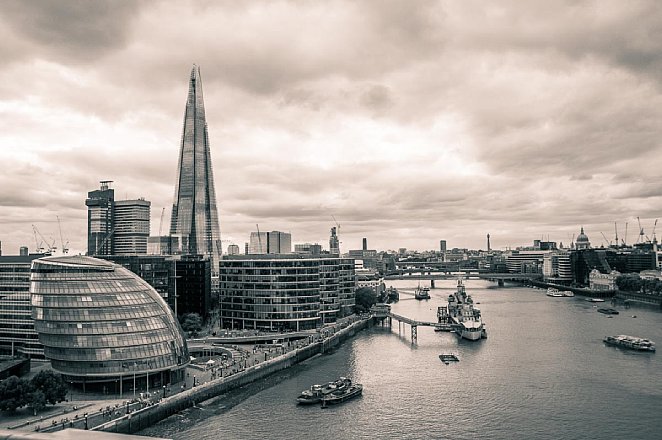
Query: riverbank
point(329, 338)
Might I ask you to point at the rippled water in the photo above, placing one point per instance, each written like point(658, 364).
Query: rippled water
point(544, 373)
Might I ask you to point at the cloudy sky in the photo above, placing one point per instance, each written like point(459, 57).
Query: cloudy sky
point(409, 121)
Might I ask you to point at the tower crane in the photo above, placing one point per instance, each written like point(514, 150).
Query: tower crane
point(641, 232)
point(626, 235)
point(50, 248)
point(653, 234)
point(161, 222)
point(616, 231)
point(259, 239)
point(65, 249)
point(605, 237)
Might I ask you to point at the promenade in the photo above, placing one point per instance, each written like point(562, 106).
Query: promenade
point(97, 411)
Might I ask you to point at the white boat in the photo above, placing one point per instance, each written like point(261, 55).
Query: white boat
point(568, 293)
point(422, 293)
point(554, 293)
point(462, 315)
point(595, 300)
point(631, 342)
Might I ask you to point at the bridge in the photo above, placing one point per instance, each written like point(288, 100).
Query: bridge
point(383, 313)
point(499, 278)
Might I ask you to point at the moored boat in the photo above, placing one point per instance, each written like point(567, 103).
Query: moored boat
point(595, 300)
point(317, 392)
point(630, 342)
point(353, 390)
point(463, 317)
point(422, 293)
point(554, 293)
point(608, 311)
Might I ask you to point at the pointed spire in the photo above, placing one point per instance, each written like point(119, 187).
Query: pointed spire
point(194, 213)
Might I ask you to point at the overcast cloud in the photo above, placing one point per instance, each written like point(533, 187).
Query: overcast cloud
point(409, 121)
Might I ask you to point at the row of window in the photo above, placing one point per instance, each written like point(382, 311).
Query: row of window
point(117, 368)
point(90, 300)
point(97, 341)
point(112, 313)
point(105, 354)
point(95, 328)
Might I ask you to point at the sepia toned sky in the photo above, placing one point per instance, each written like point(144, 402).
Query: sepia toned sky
point(409, 121)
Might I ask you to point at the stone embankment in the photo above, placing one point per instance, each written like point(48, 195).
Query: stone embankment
point(148, 416)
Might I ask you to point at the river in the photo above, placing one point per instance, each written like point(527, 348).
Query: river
point(543, 373)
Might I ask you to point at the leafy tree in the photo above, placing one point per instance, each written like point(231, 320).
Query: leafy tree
point(14, 393)
point(364, 298)
point(191, 322)
point(37, 401)
point(52, 386)
point(629, 282)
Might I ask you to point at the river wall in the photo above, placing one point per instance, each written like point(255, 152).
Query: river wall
point(169, 406)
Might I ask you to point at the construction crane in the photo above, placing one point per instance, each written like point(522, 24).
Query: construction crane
point(161, 222)
point(641, 232)
point(653, 234)
point(103, 242)
point(64, 248)
point(337, 225)
point(50, 248)
point(626, 235)
point(605, 237)
point(259, 239)
point(616, 231)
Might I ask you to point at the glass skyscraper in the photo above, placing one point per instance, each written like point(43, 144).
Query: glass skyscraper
point(194, 214)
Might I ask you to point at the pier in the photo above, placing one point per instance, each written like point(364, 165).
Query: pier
point(382, 313)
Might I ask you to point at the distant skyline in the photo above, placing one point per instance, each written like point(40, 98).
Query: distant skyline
point(410, 122)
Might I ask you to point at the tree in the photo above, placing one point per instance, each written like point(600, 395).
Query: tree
point(191, 322)
point(629, 282)
point(364, 298)
point(36, 401)
point(53, 387)
point(14, 393)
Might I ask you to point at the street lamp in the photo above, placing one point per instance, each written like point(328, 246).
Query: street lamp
point(164, 389)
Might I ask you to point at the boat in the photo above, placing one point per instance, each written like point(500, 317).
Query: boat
point(352, 391)
point(595, 300)
point(631, 342)
point(317, 392)
point(554, 293)
point(463, 317)
point(422, 293)
point(448, 357)
point(568, 293)
point(608, 311)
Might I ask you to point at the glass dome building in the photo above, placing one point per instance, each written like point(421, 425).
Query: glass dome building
point(101, 323)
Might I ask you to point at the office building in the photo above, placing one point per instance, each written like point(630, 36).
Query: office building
point(285, 292)
point(308, 249)
point(194, 285)
point(100, 204)
point(194, 213)
point(116, 227)
point(274, 242)
point(233, 249)
point(23, 251)
point(131, 225)
point(334, 242)
point(101, 325)
point(442, 246)
point(17, 334)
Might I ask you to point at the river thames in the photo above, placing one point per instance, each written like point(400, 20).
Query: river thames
point(543, 373)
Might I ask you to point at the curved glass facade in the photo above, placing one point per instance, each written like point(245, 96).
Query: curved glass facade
point(99, 320)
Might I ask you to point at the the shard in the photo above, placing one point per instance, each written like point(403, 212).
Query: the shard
point(194, 216)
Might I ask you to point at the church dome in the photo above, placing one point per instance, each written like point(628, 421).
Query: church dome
point(582, 241)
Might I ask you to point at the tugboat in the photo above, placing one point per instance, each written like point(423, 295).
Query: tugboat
point(318, 392)
point(631, 342)
point(448, 357)
point(422, 292)
point(608, 311)
point(354, 390)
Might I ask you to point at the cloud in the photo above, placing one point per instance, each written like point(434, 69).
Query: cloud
point(408, 122)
